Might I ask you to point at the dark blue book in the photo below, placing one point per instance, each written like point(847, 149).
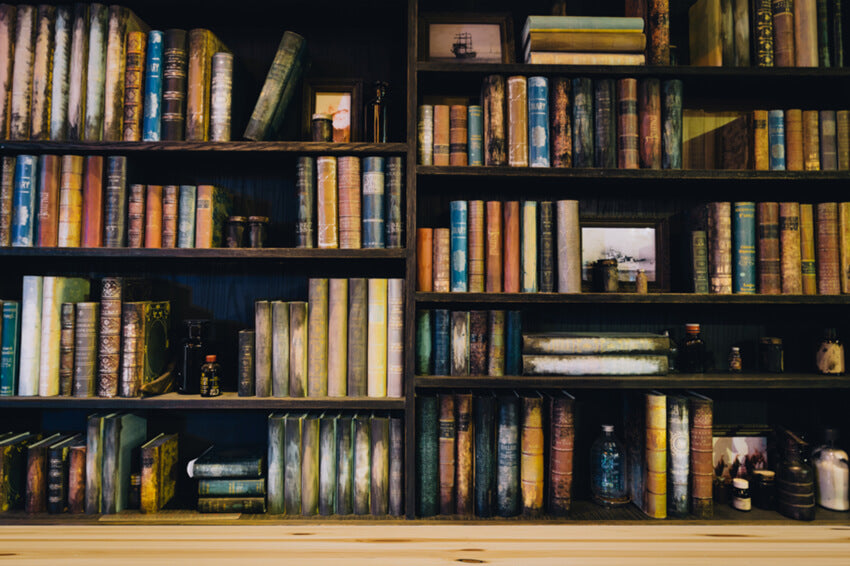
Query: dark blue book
point(776, 139)
point(475, 135)
point(427, 464)
point(507, 457)
point(442, 341)
point(151, 121)
point(424, 336)
point(605, 125)
point(744, 247)
point(25, 202)
point(582, 122)
point(459, 245)
point(395, 173)
point(484, 414)
point(538, 121)
point(373, 202)
point(9, 347)
point(513, 343)
point(671, 124)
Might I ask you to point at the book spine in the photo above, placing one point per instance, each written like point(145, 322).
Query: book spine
point(594, 364)
point(569, 249)
point(460, 343)
point(25, 201)
point(344, 467)
point(478, 325)
point(842, 127)
point(496, 343)
point(134, 73)
point(561, 131)
point(484, 414)
point(528, 247)
point(263, 348)
point(153, 216)
point(77, 79)
point(546, 246)
point(36, 494)
point(9, 348)
point(59, 73)
point(174, 71)
point(578, 344)
point(425, 134)
point(49, 172)
point(442, 341)
point(151, 488)
point(85, 348)
point(678, 453)
point(424, 342)
point(8, 17)
point(395, 338)
point(836, 33)
point(741, 16)
point(744, 251)
point(337, 337)
point(442, 260)
point(627, 122)
point(66, 349)
point(186, 208)
point(116, 45)
point(376, 348)
point(538, 122)
point(776, 139)
point(605, 126)
point(671, 124)
point(531, 460)
point(427, 454)
point(70, 202)
point(292, 465)
point(582, 122)
point(380, 466)
point(769, 256)
point(783, 33)
point(424, 259)
point(763, 31)
point(828, 263)
point(246, 384)
point(459, 244)
point(91, 229)
point(152, 105)
point(494, 258)
point(511, 253)
point(57, 480)
point(231, 505)
point(475, 139)
point(476, 256)
point(170, 211)
point(7, 192)
point(495, 136)
point(701, 465)
point(20, 104)
point(699, 261)
point(210, 214)
point(518, 121)
point(446, 458)
point(513, 343)
point(805, 33)
point(115, 206)
point(823, 26)
point(248, 487)
point(844, 245)
point(658, 24)
point(761, 141)
point(109, 346)
point(656, 456)
point(327, 464)
point(442, 135)
point(132, 348)
point(136, 216)
point(96, 72)
point(828, 141)
point(305, 190)
point(200, 46)
point(794, 139)
point(458, 134)
point(562, 440)
point(807, 250)
point(393, 202)
point(507, 457)
point(789, 237)
point(326, 202)
point(94, 461)
point(463, 461)
point(649, 110)
point(31, 320)
point(357, 337)
point(811, 141)
point(317, 338)
point(396, 473)
point(720, 247)
point(41, 73)
point(562, 58)
point(77, 479)
point(362, 463)
point(221, 86)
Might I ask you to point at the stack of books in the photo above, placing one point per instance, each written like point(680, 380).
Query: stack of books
point(231, 480)
point(583, 40)
point(594, 353)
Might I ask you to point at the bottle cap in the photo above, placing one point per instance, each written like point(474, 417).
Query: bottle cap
point(736, 349)
point(323, 117)
point(210, 358)
point(607, 428)
point(692, 327)
point(764, 475)
point(740, 483)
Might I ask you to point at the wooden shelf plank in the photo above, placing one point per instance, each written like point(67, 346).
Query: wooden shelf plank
point(300, 147)
point(631, 174)
point(206, 254)
point(673, 381)
point(228, 400)
point(626, 298)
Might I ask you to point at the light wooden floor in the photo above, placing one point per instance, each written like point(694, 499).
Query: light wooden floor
point(315, 544)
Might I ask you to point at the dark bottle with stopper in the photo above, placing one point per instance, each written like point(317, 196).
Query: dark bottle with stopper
point(189, 380)
point(376, 114)
point(795, 481)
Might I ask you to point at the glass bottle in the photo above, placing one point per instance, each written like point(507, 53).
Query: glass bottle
point(831, 473)
point(210, 378)
point(795, 482)
point(735, 362)
point(673, 353)
point(830, 354)
point(608, 469)
point(693, 350)
point(189, 381)
point(376, 114)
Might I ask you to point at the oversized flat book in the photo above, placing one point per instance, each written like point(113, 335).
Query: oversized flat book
point(635, 364)
point(586, 40)
point(574, 58)
point(594, 343)
point(597, 23)
point(221, 462)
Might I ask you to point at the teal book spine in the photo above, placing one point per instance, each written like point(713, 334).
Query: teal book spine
point(582, 122)
point(327, 464)
point(373, 202)
point(484, 411)
point(380, 471)
point(25, 202)
point(427, 445)
point(310, 465)
point(424, 350)
point(744, 249)
point(671, 124)
point(152, 119)
point(362, 465)
point(186, 208)
point(776, 139)
point(604, 125)
point(244, 487)
point(678, 455)
point(546, 246)
point(513, 343)
point(9, 348)
point(459, 245)
point(538, 121)
point(306, 193)
point(475, 135)
point(396, 487)
point(507, 457)
point(275, 462)
point(292, 465)
point(442, 341)
point(395, 175)
point(344, 467)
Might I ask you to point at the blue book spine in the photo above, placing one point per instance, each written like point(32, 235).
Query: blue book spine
point(776, 139)
point(582, 122)
point(9, 347)
point(671, 124)
point(442, 341)
point(25, 201)
point(459, 245)
point(507, 457)
point(153, 88)
point(373, 202)
point(538, 121)
point(513, 343)
point(744, 247)
point(186, 205)
point(475, 135)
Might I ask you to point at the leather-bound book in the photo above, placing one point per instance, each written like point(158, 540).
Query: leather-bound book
point(476, 246)
point(280, 348)
point(517, 118)
point(763, 33)
point(373, 205)
point(459, 244)
point(203, 44)
point(720, 247)
point(92, 220)
point(77, 477)
point(298, 355)
point(60, 65)
point(71, 202)
point(41, 73)
point(8, 16)
point(493, 93)
point(442, 130)
point(678, 456)
point(86, 328)
point(246, 384)
point(507, 456)
point(460, 343)
point(350, 220)
point(425, 134)
point(844, 245)
point(395, 337)
point(828, 141)
point(441, 260)
point(605, 125)
point(761, 147)
point(442, 342)
point(174, 70)
point(357, 337)
point(317, 338)
point(77, 73)
point(794, 139)
point(811, 141)
point(658, 29)
point(656, 455)
point(326, 202)
point(170, 210)
point(221, 96)
point(538, 122)
point(447, 463)
point(842, 127)
point(744, 247)
point(122, 21)
point(478, 330)
point(531, 461)
point(512, 247)
point(337, 338)
point(701, 410)
point(153, 217)
point(484, 416)
point(807, 250)
point(49, 173)
point(134, 72)
point(546, 246)
point(769, 255)
point(561, 442)
point(115, 203)
point(627, 124)
point(306, 193)
point(560, 118)
point(458, 132)
point(783, 33)
point(528, 246)
point(7, 195)
point(828, 260)
point(775, 140)
point(20, 102)
point(136, 216)
point(493, 263)
point(427, 455)
point(649, 108)
point(424, 259)
point(789, 238)
point(569, 248)
point(805, 33)
point(380, 466)
point(496, 343)
point(66, 348)
point(582, 122)
point(424, 362)
point(376, 347)
point(263, 330)
point(464, 445)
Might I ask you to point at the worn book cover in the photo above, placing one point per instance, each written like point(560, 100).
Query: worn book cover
point(310, 464)
point(42, 72)
point(276, 464)
point(123, 433)
point(214, 206)
point(507, 456)
point(427, 455)
point(344, 467)
point(292, 464)
point(229, 461)
point(376, 348)
point(484, 418)
point(464, 451)
point(561, 443)
point(380, 466)
point(362, 458)
point(595, 364)
point(203, 44)
point(159, 472)
point(531, 460)
point(327, 464)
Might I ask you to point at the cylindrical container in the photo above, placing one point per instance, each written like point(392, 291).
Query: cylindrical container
point(235, 233)
point(693, 350)
point(770, 354)
point(735, 361)
point(220, 96)
point(829, 358)
point(257, 230)
point(608, 470)
point(832, 474)
point(641, 282)
point(322, 128)
point(763, 490)
point(741, 495)
point(606, 279)
point(210, 378)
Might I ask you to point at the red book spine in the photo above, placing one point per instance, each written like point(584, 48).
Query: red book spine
point(476, 246)
point(93, 202)
point(153, 217)
point(136, 216)
point(829, 282)
point(493, 262)
point(170, 196)
point(511, 247)
point(649, 109)
point(48, 200)
point(794, 139)
point(425, 260)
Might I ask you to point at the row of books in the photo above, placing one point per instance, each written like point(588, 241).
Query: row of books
point(55, 341)
point(509, 247)
point(595, 353)
point(584, 40)
point(558, 122)
point(349, 209)
point(230, 480)
point(738, 33)
point(52, 200)
point(335, 464)
point(346, 340)
point(91, 72)
point(461, 343)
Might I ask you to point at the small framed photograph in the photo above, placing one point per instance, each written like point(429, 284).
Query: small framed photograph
point(634, 243)
point(339, 98)
point(738, 451)
point(466, 38)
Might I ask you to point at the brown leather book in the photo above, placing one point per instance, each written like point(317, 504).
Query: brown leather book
point(424, 260)
point(628, 143)
point(842, 127)
point(475, 265)
point(357, 337)
point(153, 217)
point(350, 219)
point(493, 264)
point(92, 228)
point(828, 140)
point(844, 245)
point(789, 237)
point(811, 141)
point(649, 109)
point(441, 260)
point(109, 337)
point(531, 460)
point(561, 442)
point(828, 262)
point(458, 135)
point(49, 171)
point(136, 212)
point(495, 136)
point(446, 454)
point(517, 106)
point(41, 73)
point(807, 250)
point(463, 481)
point(761, 146)
point(560, 121)
point(71, 201)
point(658, 29)
point(134, 73)
point(769, 255)
point(720, 247)
point(66, 349)
point(805, 33)
point(496, 343)
point(478, 329)
point(735, 152)
point(121, 22)
point(702, 466)
point(511, 254)
point(783, 33)
point(794, 139)
point(170, 203)
point(77, 478)
point(203, 44)
point(442, 134)
point(36, 479)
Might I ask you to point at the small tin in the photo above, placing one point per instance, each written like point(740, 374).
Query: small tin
point(235, 233)
point(257, 230)
point(322, 128)
point(741, 495)
point(764, 489)
point(770, 355)
point(606, 278)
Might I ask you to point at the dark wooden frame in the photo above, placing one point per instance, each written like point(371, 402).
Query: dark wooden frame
point(504, 21)
point(351, 86)
point(746, 431)
point(662, 248)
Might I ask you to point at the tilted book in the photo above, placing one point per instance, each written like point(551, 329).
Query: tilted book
point(159, 472)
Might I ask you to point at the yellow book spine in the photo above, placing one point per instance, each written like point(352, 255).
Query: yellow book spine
point(150, 479)
point(376, 350)
point(656, 455)
point(531, 461)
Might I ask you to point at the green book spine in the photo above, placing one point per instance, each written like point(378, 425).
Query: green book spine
point(280, 349)
point(484, 414)
point(362, 464)
point(344, 467)
point(327, 464)
point(231, 505)
point(393, 224)
point(275, 473)
point(513, 343)
point(9, 348)
point(317, 338)
point(262, 348)
point(380, 484)
point(94, 460)
point(243, 487)
point(396, 496)
point(298, 349)
point(186, 207)
point(310, 465)
point(507, 457)
point(357, 337)
point(424, 352)
point(427, 445)
point(292, 465)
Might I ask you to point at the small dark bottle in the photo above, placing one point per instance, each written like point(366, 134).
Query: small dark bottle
point(692, 353)
point(795, 482)
point(376, 115)
point(210, 378)
point(189, 382)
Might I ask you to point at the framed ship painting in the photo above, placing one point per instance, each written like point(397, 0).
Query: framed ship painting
point(466, 38)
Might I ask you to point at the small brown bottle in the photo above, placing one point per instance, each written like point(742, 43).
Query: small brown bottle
point(210, 377)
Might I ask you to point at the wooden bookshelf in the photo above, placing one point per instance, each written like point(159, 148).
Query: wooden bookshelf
point(297, 147)
point(625, 298)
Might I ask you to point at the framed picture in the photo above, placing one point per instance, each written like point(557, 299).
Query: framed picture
point(635, 244)
point(341, 99)
point(466, 38)
point(737, 451)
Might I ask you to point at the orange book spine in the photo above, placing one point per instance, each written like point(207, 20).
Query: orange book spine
point(511, 247)
point(326, 202)
point(811, 141)
point(493, 263)
point(844, 245)
point(92, 229)
point(794, 139)
point(48, 200)
point(71, 202)
point(783, 33)
point(134, 72)
point(829, 280)
point(441, 261)
point(517, 121)
point(531, 459)
point(761, 146)
point(153, 217)
point(170, 199)
point(789, 238)
point(476, 246)
point(806, 33)
point(442, 129)
point(458, 131)
point(425, 260)
point(807, 250)
point(136, 216)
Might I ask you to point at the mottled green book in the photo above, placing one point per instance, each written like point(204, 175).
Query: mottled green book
point(310, 465)
point(221, 462)
point(275, 459)
point(357, 335)
point(380, 491)
point(262, 348)
point(427, 444)
point(13, 469)
point(507, 457)
point(396, 502)
point(362, 464)
point(327, 464)
point(292, 465)
point(344, 467)
point(484, 411)
point(94, 461)
point(245, 487)
point(424, 351)
point(122, 435)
